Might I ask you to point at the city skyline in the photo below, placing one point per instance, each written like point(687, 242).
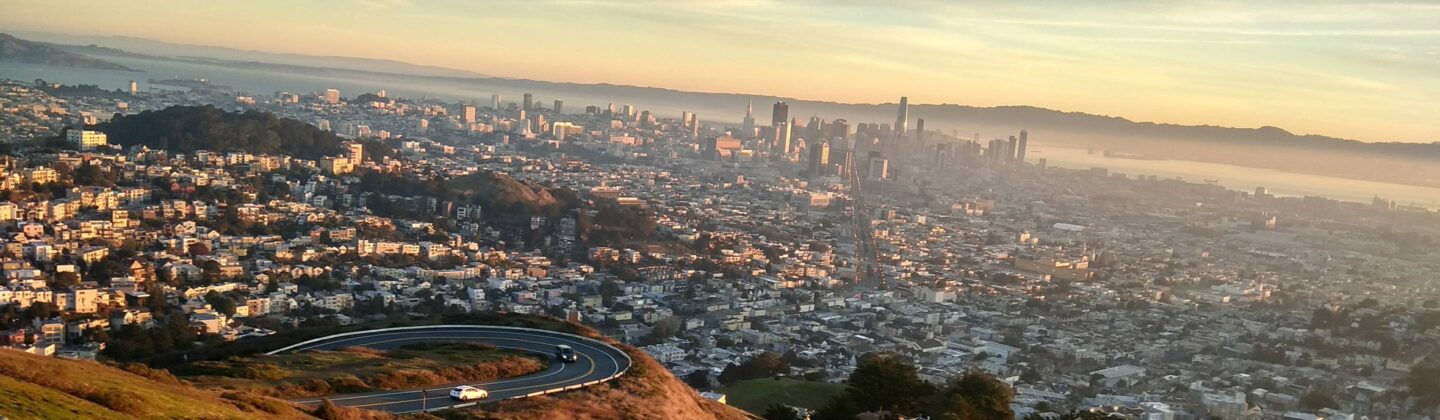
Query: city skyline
point(1350, 69)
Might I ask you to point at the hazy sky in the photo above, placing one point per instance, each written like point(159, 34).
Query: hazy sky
point(1365, 70)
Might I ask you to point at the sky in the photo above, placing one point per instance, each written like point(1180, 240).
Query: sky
point(1354, 69)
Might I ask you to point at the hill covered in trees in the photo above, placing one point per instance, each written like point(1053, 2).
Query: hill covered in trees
point(190, 128)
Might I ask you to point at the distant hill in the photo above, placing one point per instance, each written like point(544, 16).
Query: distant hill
point(190, 128)
point(142, 46)
point(23, 51)
point(46, 387)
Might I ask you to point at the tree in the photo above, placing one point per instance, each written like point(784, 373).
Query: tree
point(780, 412)
point(763, 365)
point(220, 303)
point(1317, 399)
point(1030, 376)
point(881, 382)
point(665, 328)
point(66, 280)
point(699, 379)
point(974, 395)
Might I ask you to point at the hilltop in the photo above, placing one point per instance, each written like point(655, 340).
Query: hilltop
point(23, 51)
point(46, 387)
point(190, 128)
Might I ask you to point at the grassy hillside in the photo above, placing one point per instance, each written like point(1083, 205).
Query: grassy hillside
point(647, 391)
point(756, 395)
point(45, 387)
point(318, 373)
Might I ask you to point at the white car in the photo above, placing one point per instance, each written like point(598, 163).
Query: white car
point(467, 393)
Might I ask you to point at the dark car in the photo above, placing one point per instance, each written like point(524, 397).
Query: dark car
point(566, 354)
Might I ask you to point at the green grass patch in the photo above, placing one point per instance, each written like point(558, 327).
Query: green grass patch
point(756, 395)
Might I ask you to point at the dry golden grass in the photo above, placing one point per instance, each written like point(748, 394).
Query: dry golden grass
point(47, 387)
point(647, 391)
point(359, 369)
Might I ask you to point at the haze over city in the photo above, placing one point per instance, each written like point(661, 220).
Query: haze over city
point(778, 210)
point(1351, 69)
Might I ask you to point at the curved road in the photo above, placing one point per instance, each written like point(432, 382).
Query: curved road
point(597, 362)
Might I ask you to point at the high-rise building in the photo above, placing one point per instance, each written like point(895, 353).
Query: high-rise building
point(779, 114)
point(467, 113)
point(1020, 149)
point(1010, 149)
point(996, 149)
point(559, 106)
point(528, 102)
point(749, 126)
point(332, 96)
point(920, 130)
point(879, 166)
point(134, 88)
point(495, 101)
point(840, 129)
point(820, 159)
point(902, 117)
point(781, 142)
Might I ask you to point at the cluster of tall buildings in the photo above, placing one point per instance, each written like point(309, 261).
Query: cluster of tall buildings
point(1012, 151)
point(870, 150)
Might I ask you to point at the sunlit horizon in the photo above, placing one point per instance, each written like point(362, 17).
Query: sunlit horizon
point(1360, 70)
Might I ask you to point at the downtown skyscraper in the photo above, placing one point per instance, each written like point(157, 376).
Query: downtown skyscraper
point(749, 126)
point(902, 117)
point(780, 113)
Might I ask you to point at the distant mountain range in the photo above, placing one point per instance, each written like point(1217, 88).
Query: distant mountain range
point(148, 47)
point(23, 51)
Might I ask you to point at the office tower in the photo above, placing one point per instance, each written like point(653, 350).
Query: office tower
point(920, 130)
point(780, 114)
point(528, 102)
point(611, 109)
point(495, 101)
point(781, 141)
point(993, 152)
point(879, 166)
point(694, 126)
point(423, 126)
point(840, 129)
point(381, 93)
point(134, 88)
point(685, 119)
point(902, 117)
point(332, 96)
point(467, 113)
point(1020, 150)
point(1011, 148)
point(559, 106)
point(749, 127)
point(820, 159)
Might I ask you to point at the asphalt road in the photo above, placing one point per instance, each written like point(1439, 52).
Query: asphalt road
point(597, 361)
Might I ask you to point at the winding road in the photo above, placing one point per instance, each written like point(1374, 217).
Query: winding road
point(598, 362)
